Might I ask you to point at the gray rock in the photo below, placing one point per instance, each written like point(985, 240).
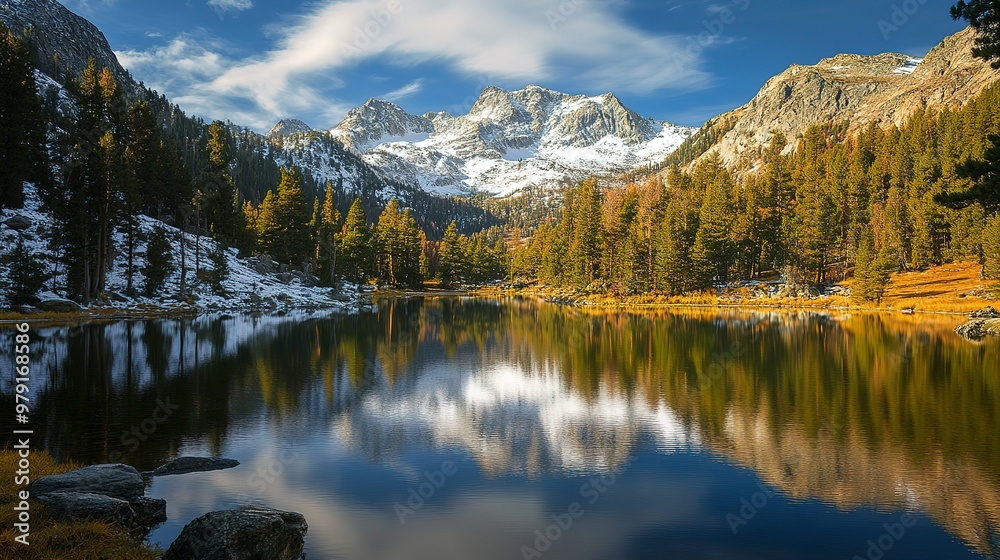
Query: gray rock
point(55, 305)
point(149, 512)
point(118, 481)
point(88, 506)
point(245, 533)
point(263, 265)
point(307, 280)
point(184, 465)
point(284, 278)
point(978, 329)
point(18, 223)
point(985, 313)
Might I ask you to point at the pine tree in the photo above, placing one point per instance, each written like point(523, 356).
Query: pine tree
point(713, 250)
point(329, 225)
point(217, 190)
point(398, 245)
point(991, 248)
point(26, 275)
point(872, 271)
point(451, 260)
point(984, 16)
point(586, 239)
point(22, 126)
point(159, 262)
point(355, 244)
point(220, 268)
point(288, 235)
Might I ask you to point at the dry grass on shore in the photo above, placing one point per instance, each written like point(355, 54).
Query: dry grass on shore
point(58, 540)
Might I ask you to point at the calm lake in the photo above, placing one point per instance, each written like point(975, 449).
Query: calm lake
point(462, 428)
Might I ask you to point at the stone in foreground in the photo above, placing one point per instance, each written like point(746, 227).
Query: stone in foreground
point(185, 465)
point(118, 481)
point(149, 512)
point(86, 506)
point(245, 533)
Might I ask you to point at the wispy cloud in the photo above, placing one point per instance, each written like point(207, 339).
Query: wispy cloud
point(516, 41)
point(404, 92)
point(231, 5)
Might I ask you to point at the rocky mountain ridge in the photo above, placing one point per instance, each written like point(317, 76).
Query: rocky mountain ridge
point(507, 141)
point(885, 89)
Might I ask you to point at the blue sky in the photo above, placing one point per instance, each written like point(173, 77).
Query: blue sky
point(684, 61)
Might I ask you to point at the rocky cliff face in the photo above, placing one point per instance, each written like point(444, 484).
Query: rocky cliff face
point(64, 41)
point(885, 89)
point(286, 128)
point(377, 122)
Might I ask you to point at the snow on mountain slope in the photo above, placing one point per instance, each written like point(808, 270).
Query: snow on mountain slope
point(252, 283)
point(508, 141)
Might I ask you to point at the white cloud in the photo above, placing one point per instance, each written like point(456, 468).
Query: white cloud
point(403, 92)
point(583, 42)
point(227, 5)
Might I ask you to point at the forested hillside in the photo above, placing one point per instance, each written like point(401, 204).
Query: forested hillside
point(870, 203)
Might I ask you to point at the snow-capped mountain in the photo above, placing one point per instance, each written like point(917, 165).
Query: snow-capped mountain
point(288, 127)
point(507, 141)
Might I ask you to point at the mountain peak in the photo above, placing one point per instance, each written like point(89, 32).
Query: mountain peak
point(287, 127)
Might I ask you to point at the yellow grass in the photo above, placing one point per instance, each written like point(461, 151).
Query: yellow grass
point(954, 288)
point(51, 540)
point(951, 288)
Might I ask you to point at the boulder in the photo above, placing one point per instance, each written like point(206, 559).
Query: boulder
point(284, 277)
point(985, 313)
point(246, 532)
point(149, 512)
point(59, 305)
point(87, 506)
point(18, 223)
point(117, 481)
point(978, 329)
point(184, 465)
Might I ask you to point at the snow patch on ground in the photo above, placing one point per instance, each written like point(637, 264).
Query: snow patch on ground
point(247, 286)
point(909, 66)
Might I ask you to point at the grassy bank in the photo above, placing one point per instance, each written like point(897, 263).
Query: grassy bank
point(952, 288)
point(59, 540)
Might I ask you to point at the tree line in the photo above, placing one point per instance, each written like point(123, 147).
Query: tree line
point(866, 203)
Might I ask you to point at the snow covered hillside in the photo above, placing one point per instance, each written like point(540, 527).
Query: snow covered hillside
point(252, 283)
point(508, 141)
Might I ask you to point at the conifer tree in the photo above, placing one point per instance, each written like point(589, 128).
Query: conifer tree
point(26, 275)
point(450, 257)
point(216, 187)
point(355, 244)
point(159, 262)
point(984, 16)
point(22, 126)
point(288, 237)
point(329, 226)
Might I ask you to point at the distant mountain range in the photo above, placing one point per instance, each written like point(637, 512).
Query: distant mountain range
point(510, 140)
point(507, 141)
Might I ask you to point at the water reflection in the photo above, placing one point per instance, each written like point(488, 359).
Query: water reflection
point(858, 412)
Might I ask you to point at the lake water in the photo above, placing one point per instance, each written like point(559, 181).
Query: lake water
point(461, 428)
